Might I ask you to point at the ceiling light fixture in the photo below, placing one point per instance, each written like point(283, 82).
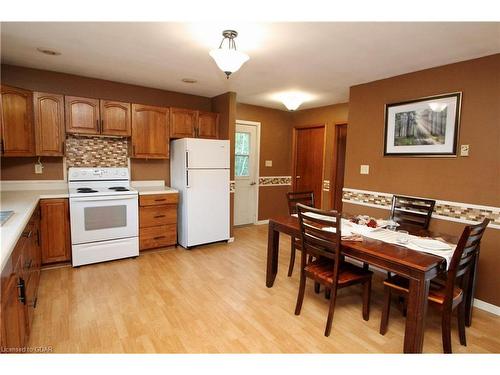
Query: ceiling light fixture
point(293, 100)
point(229, 59)
point(49, 52)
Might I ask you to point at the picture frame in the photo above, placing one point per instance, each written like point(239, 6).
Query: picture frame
point(423, 127)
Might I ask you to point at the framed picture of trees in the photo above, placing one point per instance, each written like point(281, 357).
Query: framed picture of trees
point(423, 127)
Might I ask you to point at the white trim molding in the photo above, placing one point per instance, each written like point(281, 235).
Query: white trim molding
point(262, 222)
point(487, 306)
point(466, 213)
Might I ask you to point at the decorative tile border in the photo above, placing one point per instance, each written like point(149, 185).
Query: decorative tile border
point(232, 186)
point(84, 151)
point(275, 180)
point(452, 211)
point(326, 185)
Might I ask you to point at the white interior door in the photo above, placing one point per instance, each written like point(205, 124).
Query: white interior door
point(246, 174)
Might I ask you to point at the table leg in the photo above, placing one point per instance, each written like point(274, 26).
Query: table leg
point(273, 245)
point(415, 316)
point(469, 293)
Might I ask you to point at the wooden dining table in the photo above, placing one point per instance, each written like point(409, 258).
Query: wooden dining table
point(419, 267)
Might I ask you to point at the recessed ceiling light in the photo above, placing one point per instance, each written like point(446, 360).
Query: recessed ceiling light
point(49, 52)
point(189, 80)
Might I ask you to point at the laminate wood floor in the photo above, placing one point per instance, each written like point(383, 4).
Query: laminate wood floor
point(213, 299)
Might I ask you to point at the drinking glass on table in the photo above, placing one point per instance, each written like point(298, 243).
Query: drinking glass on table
point(403, 237)
point(391, 224)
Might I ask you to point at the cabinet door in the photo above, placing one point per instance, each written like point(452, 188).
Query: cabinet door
point(49, 124)
point(208, 125)
point(115, 118)
point(182, 123)
point(55, 235)
point(150, 132)
point(18, 133)
point(82, 115)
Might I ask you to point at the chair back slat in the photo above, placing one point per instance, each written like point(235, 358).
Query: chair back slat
point(315, 239)
point(303, 197)
point(412, 211)
point(463, 258)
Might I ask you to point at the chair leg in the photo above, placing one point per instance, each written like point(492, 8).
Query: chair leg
point(328, 293)
point(384, 321)
point(302, 289)
point(461, 323)
point(333, 298)
point(316, 287)
point(446, 330)
point(292, 258)
point(367, 291)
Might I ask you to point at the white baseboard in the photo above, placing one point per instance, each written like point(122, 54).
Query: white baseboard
point(487, 306)
point(262, 222)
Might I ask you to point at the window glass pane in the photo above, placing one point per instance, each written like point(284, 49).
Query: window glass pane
point(241, 163)
point(105, 217)
point(242, 143)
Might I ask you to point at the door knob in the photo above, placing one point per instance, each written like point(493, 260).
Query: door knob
point(253, 183)
point(297, 176)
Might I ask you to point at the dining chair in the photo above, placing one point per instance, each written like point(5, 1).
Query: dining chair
point(411, 211)
point(304, 197)
point(446, 290)
point(320, 237)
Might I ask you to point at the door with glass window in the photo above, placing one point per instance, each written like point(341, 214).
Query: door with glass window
point(245, 174)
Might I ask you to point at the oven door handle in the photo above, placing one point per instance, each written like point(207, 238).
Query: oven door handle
point(104, 198)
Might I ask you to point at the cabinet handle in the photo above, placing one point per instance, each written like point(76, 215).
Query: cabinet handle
point(158, 216)
point(158, 237)
point(21, 297)
point(27, 234)
point(97, 124)
point(33, 303)
point(28, 263)
point(38, 238)
point(160, 200)
point(102, 126)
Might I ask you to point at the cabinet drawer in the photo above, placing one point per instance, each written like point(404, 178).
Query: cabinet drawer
point(158, 199)
point(163, 235)
point(151, 216)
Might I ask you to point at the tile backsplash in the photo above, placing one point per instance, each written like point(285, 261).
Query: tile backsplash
point(83, 151)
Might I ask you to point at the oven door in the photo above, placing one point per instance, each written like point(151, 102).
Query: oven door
point(103, 218)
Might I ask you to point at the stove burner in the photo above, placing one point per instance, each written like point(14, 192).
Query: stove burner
point(84, 189)
point(119, 188)
point(88, 190)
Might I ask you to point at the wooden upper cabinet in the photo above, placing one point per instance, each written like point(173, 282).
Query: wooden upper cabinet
point(55, 231)
point(208, 125)
point(18, 133)
point(183, 123)
point(115, 118)
point(150, 132)
point(49, 124)
point(82, 115)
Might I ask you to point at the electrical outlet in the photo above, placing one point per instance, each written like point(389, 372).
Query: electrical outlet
point(269, 163)
point(464, 150)
point(364, 169)
point(38, 168)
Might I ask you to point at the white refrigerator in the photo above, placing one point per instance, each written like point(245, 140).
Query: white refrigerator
point(199, 169)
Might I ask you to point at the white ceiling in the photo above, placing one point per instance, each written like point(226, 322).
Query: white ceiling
point(322, 59)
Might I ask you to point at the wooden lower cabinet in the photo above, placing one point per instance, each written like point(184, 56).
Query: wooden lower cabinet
point(55, 236)
point(19, 288)
point(157, 221)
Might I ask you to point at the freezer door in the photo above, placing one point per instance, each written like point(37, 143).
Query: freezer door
point(206, 207)
point(207, 153)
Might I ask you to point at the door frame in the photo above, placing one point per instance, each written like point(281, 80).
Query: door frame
point(333, 185)
point(294, 155)
point(257, 158)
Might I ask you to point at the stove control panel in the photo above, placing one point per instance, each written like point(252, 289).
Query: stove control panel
point(98, 174)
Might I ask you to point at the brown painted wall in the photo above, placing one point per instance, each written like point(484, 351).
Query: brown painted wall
point(67, 84)
point(328, 115)
point(473, 179)
point(275, 145)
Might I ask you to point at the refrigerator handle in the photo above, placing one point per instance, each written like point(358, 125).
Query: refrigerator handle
point(187, 159)
point(187, 178)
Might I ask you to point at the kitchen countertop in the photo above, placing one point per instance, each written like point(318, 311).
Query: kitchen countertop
point(148, 190)
point(23, 203)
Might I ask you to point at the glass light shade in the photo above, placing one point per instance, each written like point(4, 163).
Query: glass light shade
point(292, 102)
point(437, 107)
point(229, 60)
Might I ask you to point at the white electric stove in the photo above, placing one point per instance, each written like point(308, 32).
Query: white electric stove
point(104, 215)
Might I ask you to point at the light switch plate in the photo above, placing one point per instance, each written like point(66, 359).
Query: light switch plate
point(269, 163)
point(464, 150)
point(364, 169)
